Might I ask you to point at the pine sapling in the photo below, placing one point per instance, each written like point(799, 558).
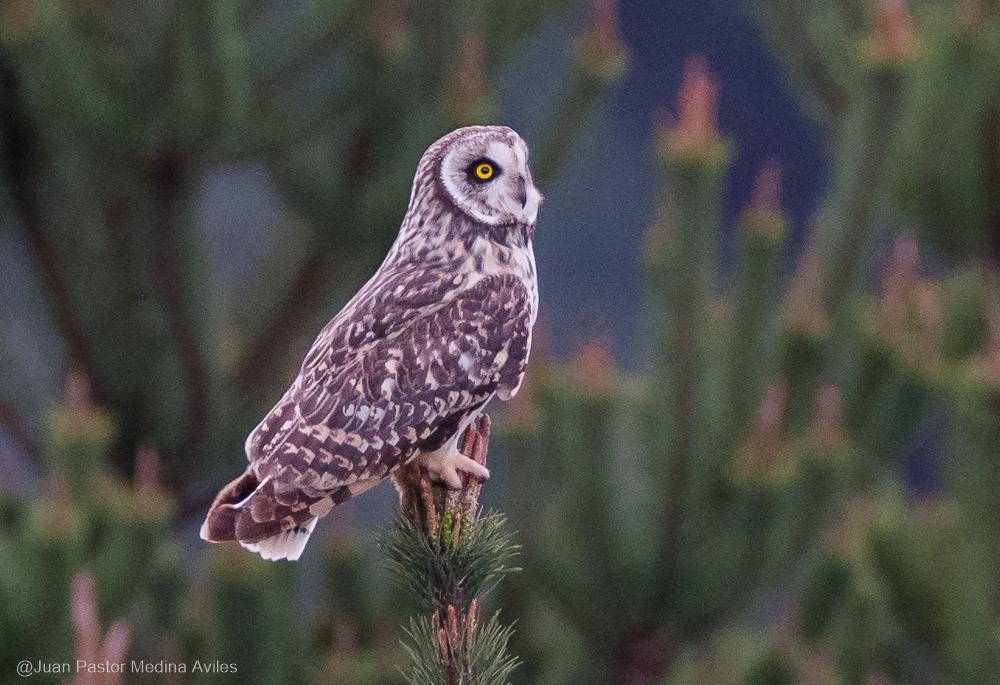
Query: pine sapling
point(443, 551)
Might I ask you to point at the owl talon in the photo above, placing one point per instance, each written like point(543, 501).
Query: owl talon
point(474, 469)
point(447, 466)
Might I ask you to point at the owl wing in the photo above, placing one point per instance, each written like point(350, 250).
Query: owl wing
point(384, 307)
point(359, 410)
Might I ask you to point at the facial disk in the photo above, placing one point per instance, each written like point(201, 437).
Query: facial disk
point(486, 174)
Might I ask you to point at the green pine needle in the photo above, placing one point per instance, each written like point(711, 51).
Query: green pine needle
point(442, 573)
point(489, 662)
point(426, 665)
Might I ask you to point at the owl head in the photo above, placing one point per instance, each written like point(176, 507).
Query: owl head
point(483, 171)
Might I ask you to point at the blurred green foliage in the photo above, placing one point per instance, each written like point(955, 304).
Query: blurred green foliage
point(228, 608)
point(739, 512)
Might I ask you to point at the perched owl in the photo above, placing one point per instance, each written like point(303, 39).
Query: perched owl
point(442, 327)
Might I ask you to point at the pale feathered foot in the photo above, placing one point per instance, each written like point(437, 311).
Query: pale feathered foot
point(452, 469)
point(449, 474)
point(448, 464)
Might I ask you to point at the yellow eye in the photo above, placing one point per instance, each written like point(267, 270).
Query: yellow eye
point(484, 171)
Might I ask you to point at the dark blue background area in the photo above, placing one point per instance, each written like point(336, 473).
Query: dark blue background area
point(591, 227)
point(755, 110)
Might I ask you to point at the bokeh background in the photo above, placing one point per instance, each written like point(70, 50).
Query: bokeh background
point(758, 439)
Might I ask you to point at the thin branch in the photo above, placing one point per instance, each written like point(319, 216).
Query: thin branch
point(747, 579)
point(990, 154)
point(578, 101)
point(790, 31)
point(170, 187)
point(92, 645)
point(882, 116)
point(682, 360)
point(684, 413)
point(260, 355)
point(21, 153)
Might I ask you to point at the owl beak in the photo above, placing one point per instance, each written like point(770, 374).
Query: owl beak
point(523, 199)
point(522, 191)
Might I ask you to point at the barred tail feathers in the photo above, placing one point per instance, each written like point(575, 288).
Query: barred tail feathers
point(220, 523)
point(274, 525)
point(286, 545)
point(245, 511)
point(270, 519)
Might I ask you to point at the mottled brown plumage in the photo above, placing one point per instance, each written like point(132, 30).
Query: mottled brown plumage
point(441, 328)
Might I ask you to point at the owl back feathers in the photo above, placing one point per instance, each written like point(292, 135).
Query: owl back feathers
point(335, 434)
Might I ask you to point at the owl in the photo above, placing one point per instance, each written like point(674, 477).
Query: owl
point(441, 328)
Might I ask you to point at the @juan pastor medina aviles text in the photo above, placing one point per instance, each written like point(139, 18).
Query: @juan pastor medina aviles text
point(29, 668)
